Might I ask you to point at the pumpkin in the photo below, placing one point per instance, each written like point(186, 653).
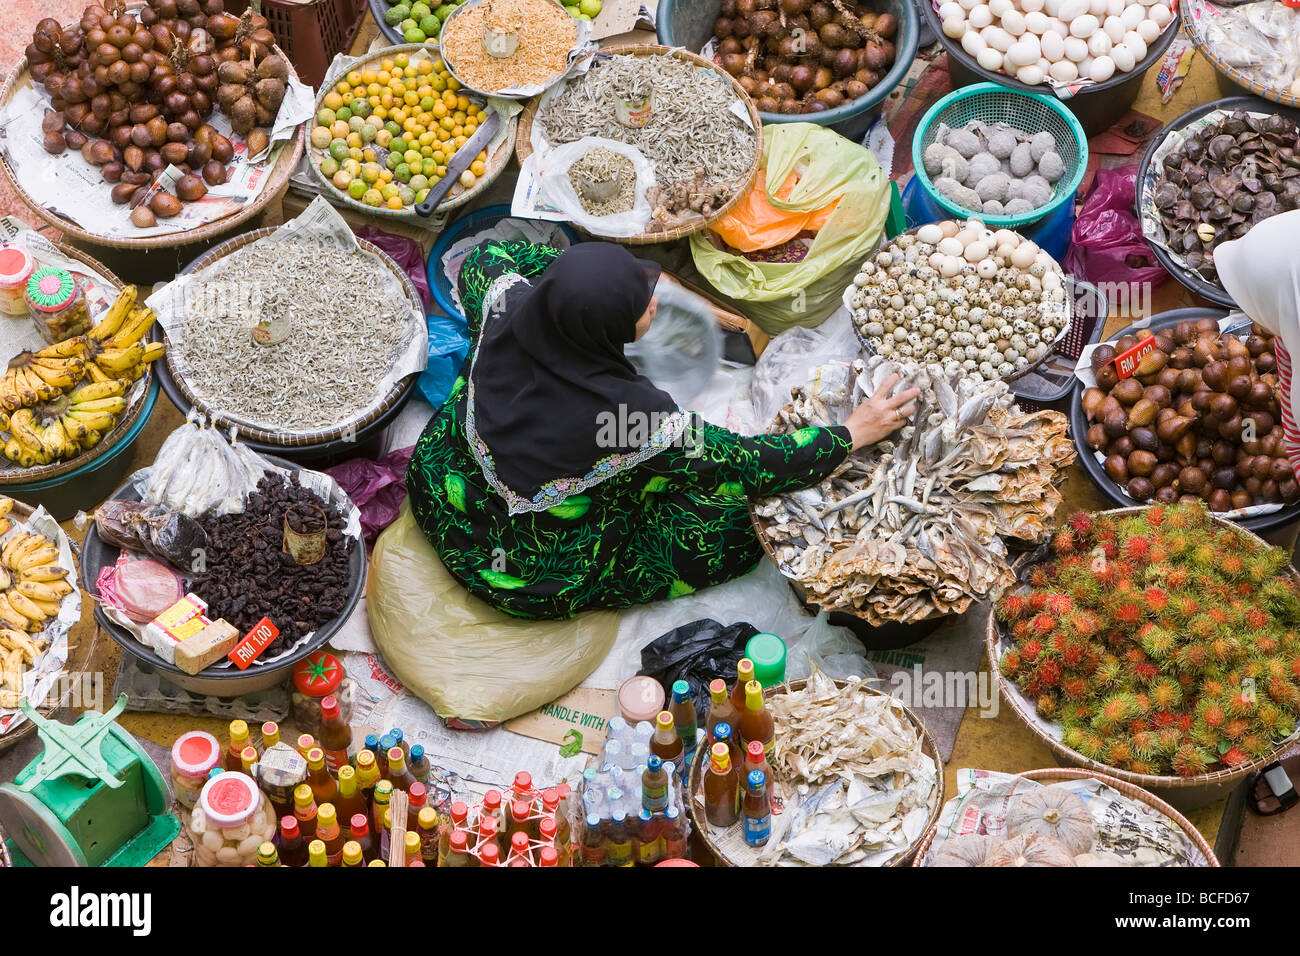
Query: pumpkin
point(1051, 812)
point(1031, 850)
point(969, 849)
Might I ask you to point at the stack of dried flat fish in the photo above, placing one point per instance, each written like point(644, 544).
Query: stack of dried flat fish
point(859, 787)
point(912, 528)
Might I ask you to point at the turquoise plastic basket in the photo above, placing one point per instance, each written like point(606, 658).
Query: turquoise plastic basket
point(1029, 112)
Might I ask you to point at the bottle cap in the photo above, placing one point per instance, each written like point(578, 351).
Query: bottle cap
point(248, 757)
point(669, 767)
point(396, 734)
point(266, 855)
point(412, 843)
point(214, 771)
point(316, 852)
point(347, 779)
point(753, 695)
point(396, 757)
point(289, 828)
point(16, 265)
point(305, 743)
point(547, 828)
point(384, 788)
point(563, 789)
point(270, 733)
point(681, 690)
point(722, 731)
point(378, 862)
point(755, 751)
point(386, 743)
point(492, 799)
point(195, 753)
point(490, 854)
point(238, 733)
point(767, 651)
point(664, 721)
point(487, 828)
point(230, 799)
point(417, 793)
point(302, 795)
point(316, 758)
point(352, 853)
point(519, 842)
point(548, 857)
point(372, 741)
point(366, 758)
point(654, 764)
point(718, 690)
point(417, 751)
point(359, 825)
point(745, 670)
point(550, 799)
point(459, 841)
point(326, 816)
point(523, 782)
point(459, 812)
point(593, 820)
point(519, 810)
point(427, 818)
point(721, 757)
point(757, 780)
point(51, 289)
point(329, 707)
point(640, 698)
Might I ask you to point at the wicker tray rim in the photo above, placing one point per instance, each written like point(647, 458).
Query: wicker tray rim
point(1231, 72)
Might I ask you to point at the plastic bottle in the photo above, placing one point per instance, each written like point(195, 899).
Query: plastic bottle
point(397, 772)
point(328, 829)
point(488, 832)
point(640, 756)
point(457, 850)
point(335, 734)
point(359, 833)
point(427, 827)
point(613, 755)
point(238, 741)
point(720, 783)
point(654, 786)
point(649, 841)
point(756, 759)
point(376, 863)
point(293, 850)
point(304, 808)
point(665, 744)
point(744, 674)
point(420, 766)
point(316, 854)
point(412, 848)
point(756, 721)
point(757, 810)
point(618, 848)
point(348, 801)
point(592, 852)
point(642, 733)
point(323, 785)
point(618, 729)
point(270, 735)
point(721, 710)
point(683, 711)
point(351, 854)
point(489, 854)
point(614, 801)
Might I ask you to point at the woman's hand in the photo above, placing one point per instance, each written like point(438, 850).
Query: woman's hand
point(881, 415)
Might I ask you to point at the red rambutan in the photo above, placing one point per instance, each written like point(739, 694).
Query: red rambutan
point(1043, 624)
point(1137, 549)
point(1030, 650)
point(1189, 761)
point(1074, 688)
point(1049, 673)
point(1232, 566)
point(1012, 607)
point(1058, 605)
point(1236, 727)
point(1165, 693)
point(1063, 542)
point(1234, 757)
point(1010, 663)
point(1212, 713)
point(1128, 612)
point(1047, 706)
point(1157, 599)
point(1256, 619)
point(1081, 524)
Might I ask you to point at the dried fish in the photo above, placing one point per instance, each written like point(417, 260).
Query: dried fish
point(919, 519)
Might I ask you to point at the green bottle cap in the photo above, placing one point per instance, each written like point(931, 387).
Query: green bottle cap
point(51, 289)
point(767, 651)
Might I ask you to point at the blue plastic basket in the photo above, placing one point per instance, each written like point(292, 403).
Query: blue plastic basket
point(471, 222)
point(1029, 112)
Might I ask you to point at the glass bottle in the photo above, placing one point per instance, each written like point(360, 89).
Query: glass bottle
point(674, 833)
point(270, 735)
point(457, 850)
point(649, 842)
point(371, 744)
point(665, 744)
point(726, 734)
point(386, 743)
point(518, 822)
point(720, 782)
point(744, 674)
point(420, 766)
point(397, 772)
point(416, 800)
point(316, 854)
point(383, 793)
point(522, 786)
point(238, 741)
point(683, 711)
point(756, 721)
point(520, 848)
point(430, 839)
point(304, 808)
point(349, 800)
point(489, 854)
point(412, 848)
point(487, 830)
point(654, 786)
point(351, 854)
point(547, 856)
point(328, 830)
point(721, 710)
point(267, 855)
point(323, 785)
point(457, 817)
point(367, 775)
point(618, 849)
point(756, 759)
point(399, 740)
point(359, 833)
point(293, 850)
point(757, 810)
point(248, 760)
point(305, 743)
point(335, 734)
point(492, 807)
point(593, 842)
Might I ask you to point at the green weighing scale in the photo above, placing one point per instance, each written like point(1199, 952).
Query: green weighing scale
point(92, 798)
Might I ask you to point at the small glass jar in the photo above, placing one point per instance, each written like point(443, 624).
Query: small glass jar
point(232, 819)
point(57, 304)
point(194, 754)
point(16, 267)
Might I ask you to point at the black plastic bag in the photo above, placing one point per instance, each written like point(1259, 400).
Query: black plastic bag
point(698, 653)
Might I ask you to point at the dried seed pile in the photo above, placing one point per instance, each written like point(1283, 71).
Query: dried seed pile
point(348, 319)
point(693, 136)
point(546, 35)
point(249, 575)
point(600, 165)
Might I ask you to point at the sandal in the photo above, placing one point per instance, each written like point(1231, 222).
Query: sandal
point(1273, 789)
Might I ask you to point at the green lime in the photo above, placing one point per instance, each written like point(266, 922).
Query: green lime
point(408, 195)
point(430, 24)
point(339, 149)
point(444, 11)
point(410, 23)
point(590, 7)
point(397, 14)
point(420, 10)
point(394, 160)
point(344, 113)
point(419, 181)
point(360, 107)
point(367, 133)
point(356, 123)
point(326, 117)
point(357, 188)
point(398, 145)
point(393, 128)
point(430, 169)
point(420, 194)
point(573, 11)
point(329, 166)
point(402, 173)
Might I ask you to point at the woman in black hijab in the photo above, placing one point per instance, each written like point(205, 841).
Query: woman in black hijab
point(556, 479)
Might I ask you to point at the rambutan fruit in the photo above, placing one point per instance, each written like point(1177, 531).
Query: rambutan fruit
point(1193, 657)
point(1283, 693)
point(1168, 739)
point(1083, 624)
point(1074, 688)
point(1231, 566)
point(1266, 644)
point(1049, 672)
point(1255, 745)
point(1155, 516)
point(1184, 722)
point(1022, 630)
point(1158, 643)
point(1010, 663)
point(1234, 757)
point(1218, 615)
point(1202, 628)
point(1163, 720)
point(1080, 713)
point(1063, 542)
point(1203, 555)
point(1138, 726)
point(1057, 642)
point(1107, 672)
point(1030, 650)
point(1295, 668)
point(1257, 619)
point(1184, 606)
point(1158, 555)
point(1143, 744)
point(1039, 577)
point(1114, 711)
point(1144, 671)
point(1243, 589)
point(1177, 544)
point(1212, 687)
point(1212, 713)
point(1165, 693)
point(1127, 612)
point(1118, 751)
point(1224, 649)
point(1137, 549)
point(1043, 624)
point(1176, 578)
point(1081, 524)
point(1144, 767)
point(1236, 727)
point(1268, 716)
point(1141, 705)
point(1203, 735)
point(1190, 761)
point(1058, 605)
point(1092, 745)
point(1046, 705)
point(1012, 607)
point(1241, 702)
point(1072, 737)
point(1106, 575)
point(1156, 599)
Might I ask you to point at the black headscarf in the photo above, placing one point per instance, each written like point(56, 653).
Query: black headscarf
point(552, 362)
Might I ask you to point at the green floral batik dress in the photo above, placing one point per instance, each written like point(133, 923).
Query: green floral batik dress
point(662, 522)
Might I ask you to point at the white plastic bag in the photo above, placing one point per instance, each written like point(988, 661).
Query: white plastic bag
point(790, 358)
point(681, 351)
point(832, 650)
point(544, 190)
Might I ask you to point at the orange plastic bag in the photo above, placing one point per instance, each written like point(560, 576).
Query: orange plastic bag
point(754, 223)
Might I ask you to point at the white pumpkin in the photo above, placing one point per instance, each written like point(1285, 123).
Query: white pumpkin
point(1052, 812)
point(1030, 851)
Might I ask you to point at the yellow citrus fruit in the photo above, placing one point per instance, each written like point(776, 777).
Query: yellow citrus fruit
point(478, 167)
point(453, 83)
point(372, 197)
point(344, 88)
point(356, 154)
point(401, 59)
point(386, 64)
point(342, 179)
point(424, 67)
point(394, 202)
point(354, 77)
point(385, 175)
point(354, 139)
point(332, 100)
point(369, 155)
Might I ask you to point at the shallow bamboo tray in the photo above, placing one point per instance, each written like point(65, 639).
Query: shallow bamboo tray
point(11, 474)
point(396, 394)
point(1189, 793)
point(524, 147)
point(80, 653)
point(277, 183)
point(901, 858)
point(456, 197)
point(1276, 94)
point(1058, 774)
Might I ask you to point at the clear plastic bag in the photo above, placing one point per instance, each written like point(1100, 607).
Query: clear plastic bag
point(681, 350)
point(791, 357)
point(1106, 244)
point(550, 195)
point(197, 471)
point(830, 649)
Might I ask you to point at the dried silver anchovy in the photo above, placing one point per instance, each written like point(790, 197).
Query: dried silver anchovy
point(600, 165)
point(692, 126)
point(348, 322)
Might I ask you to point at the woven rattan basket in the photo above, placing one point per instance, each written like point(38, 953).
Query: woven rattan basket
point(11, 474)
point(456, 197)
point(1057, 774)
point(524, 147)
point(1231, 72)
point(1184, 792)
point(297, 440)
point(902, 858)
point(80, 655)
point(277, 183)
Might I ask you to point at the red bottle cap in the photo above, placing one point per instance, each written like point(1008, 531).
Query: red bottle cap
point(416, 794)
point(519, 810)
point(755, 750)
point(289, 828)
point(490, 854)
point(459, 841)
point(551, 799)
point(359, 825)
point(487, 828)
point(547, 828)
point(519, 842)
point(564, 790)
point(415, 862)
point(329, 707)
point(523, 782)
point(492, 800)
point(548, 857)
point(459, 812)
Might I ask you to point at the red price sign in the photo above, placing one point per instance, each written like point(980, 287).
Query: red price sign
point(1126, 363)
point(254, 642)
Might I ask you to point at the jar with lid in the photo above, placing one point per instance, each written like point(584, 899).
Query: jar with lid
point(57, 304)
point(316, 677)
point(16, 267)
point(194, 754)
point(231, 820)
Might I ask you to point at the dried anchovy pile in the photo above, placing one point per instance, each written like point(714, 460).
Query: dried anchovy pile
point(601, 165)
point(348, 319)
point(691, 129)
point(249, 576)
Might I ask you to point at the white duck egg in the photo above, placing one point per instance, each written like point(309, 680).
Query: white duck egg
point(1052, 7)
point(1103, 68)
point(1123, 57)
point(1024, 51)
point(1059, 27)
point(976, 251)
point(1037, 22)
point(1136, 42)
point(1133, 15)
point(1044, 260)
point(1005, 237)
point(1051, 280)
point(1030, 75)
point(1063, 71)
point(1031, 6)
point(1004, 250)
point(1148, 30)
point(968, 4)
point(966, 237)
point(954, 9)
point(1099, 43)
point(951, 246)
point(1160, 14)
point(1097, 8)
point(951, 266)
point(1052, 46)
point(1114, 28)
point(1000, 7)
point(989, 59)
point(1115, 7)
point(1043, 64)
point(1022, 257)
point(1013, 21)
point(949, 228)
point(980, 17)
point(998, 38)
point(971, 42)
point(930, 233)
point(1085, 65)
point(1072, 8)
point(1083, 27)
point(1075, 49)
point(955, 27)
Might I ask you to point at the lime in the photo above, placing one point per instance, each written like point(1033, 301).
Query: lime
point(321, 137)
point(398, 145)
point(361, 107)
point(355, 124)
point(397, 14)
point(429, 168)
point(394, 160)
point(344, 113)
point(583, 16)
point(357, 188)
point(419, 181)
point(444, 11)
point(368, 133)
point(339, 149)
point(372, 197)
point(325, 117)
point(590, 7)
point(389, 191)
point(420, 10)
point(329, 166)
point(408, 24)
point(573, 11)
point(420, 194)
point(415, 35)
point(402, 173)
point(430, 24)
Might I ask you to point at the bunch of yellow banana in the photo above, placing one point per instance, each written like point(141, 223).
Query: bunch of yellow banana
point(114, 348)
point(6, 506)
point(34, 377)
point(32, 581)
point(66, 426)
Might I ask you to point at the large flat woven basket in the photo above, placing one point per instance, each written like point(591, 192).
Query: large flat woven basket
point(1199, 41)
